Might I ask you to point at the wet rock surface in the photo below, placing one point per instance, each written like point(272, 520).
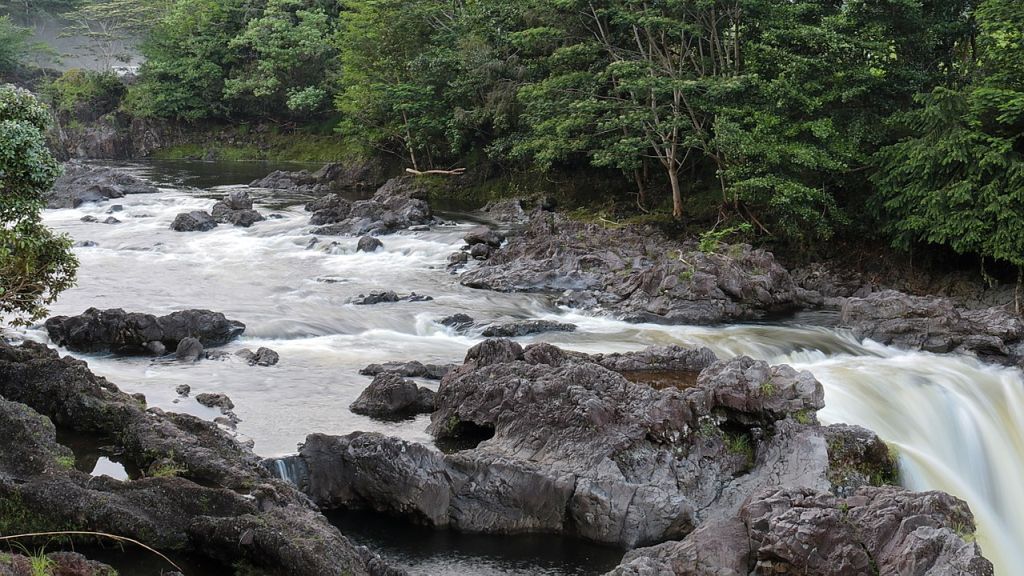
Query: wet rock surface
point(206, 494)
point(195, 221)
point(391, 396)
point(397, 205)
point(568, 445)
point(935, 325)
point(877, 530)
point(388, 296)
point(82, 184)
point(125, 333)
point(525, 328)
point(261, 357)
point(412, 369)
point(368, 244)
point(331, 177)
point(637, 274)
point(236, 209)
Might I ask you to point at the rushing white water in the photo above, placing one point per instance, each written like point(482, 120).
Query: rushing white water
point(958, 425)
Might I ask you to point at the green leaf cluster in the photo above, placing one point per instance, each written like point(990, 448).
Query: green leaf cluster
point(35, 264)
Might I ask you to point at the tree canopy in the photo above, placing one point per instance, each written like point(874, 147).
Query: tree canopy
point(35, 264)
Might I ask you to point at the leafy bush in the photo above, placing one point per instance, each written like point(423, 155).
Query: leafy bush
point(84, 91)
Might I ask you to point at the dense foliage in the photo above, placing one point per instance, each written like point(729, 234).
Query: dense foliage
point(35, 264)
point(891, 119)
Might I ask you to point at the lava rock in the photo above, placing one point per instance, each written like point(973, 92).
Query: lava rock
point(125, 333)
point(525, 328)
point(236, 209)
point(81, 184)
point(195, 221)
point(262, 357)
point(389, 296)
point(484, 235)
point(458, 321)
point(183, 390)
point(637, 273)
point(189, 350)
point(89, 219)
point(480, 251)
point(111, 220)
point(389, 396)
point(215, 401)
point(397, 205)
point(368, 244)
point(411, 369)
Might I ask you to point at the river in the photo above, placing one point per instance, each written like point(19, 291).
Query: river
point(958, 425)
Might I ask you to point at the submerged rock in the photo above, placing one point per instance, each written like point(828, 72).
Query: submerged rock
point(368, 244)
point(390, 396)
point(81, 184)
point(261, 357)
point(195, 221)
point(525, 328)
point(458, 321)
point(126, 333)
point(389, 296)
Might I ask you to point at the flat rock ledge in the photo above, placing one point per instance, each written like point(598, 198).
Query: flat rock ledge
point(563, 442)
point(202, 492)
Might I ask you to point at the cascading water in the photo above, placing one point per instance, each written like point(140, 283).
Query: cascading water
point(958, 425)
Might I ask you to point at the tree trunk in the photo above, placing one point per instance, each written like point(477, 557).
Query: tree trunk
point(677, 196)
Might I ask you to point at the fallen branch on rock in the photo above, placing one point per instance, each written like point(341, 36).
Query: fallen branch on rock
point(455, 172)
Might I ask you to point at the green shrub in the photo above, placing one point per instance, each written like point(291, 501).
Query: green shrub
point(85, 90)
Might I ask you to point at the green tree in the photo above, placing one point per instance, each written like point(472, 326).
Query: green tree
point(957, 179)
point(288, 59)
point(35, 264)
point(394, 73)
point(187, 60)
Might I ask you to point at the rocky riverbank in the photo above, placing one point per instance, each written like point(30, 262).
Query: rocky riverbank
point(722, 454)
point(636, 274)
point(200, 492)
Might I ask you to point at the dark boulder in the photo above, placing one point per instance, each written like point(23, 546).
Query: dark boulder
point(330, 209)
point(236, 209)
point(261, 357)
point(215, 401)
point(484, 235)
point(411, 369)
point(357, 176)
point(195, 221)
point(81, 184)
point(368, 244)
point(480, 251)
point(111, 220)
point(458, 321)
point(390, 396)
point(525, 328)
point(189, 350)
point(120, 332)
